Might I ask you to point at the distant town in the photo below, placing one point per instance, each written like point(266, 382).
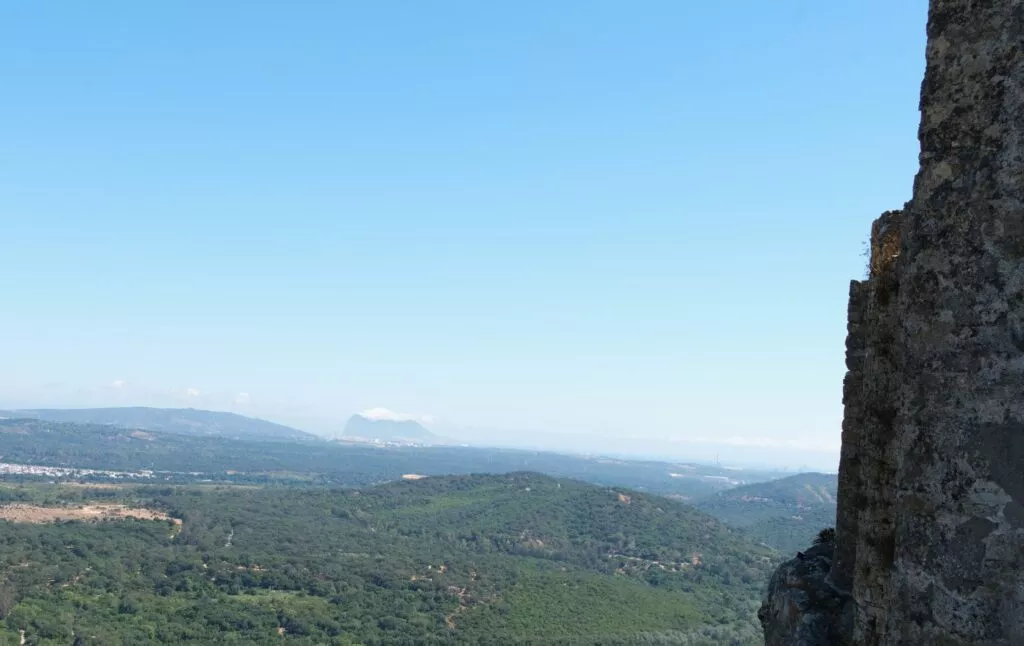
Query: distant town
point(7, 468)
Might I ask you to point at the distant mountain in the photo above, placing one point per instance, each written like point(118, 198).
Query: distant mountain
point(388, 430)
point(183, 421)
point(786, 513)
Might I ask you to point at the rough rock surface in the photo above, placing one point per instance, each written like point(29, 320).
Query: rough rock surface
point(802, 607)
point(930, 520)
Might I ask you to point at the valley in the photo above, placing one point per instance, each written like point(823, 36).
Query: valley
point(184, 458)
point(160, 537)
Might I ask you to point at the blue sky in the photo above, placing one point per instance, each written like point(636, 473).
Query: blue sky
point(617, 223)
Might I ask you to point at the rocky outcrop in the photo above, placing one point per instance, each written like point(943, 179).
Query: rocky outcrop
point(801, 607)
point(930, 520)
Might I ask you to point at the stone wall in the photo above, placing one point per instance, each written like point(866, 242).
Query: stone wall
point(930, 521)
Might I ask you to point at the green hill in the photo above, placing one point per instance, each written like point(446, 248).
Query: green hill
point(785, 514)
point(507, 559)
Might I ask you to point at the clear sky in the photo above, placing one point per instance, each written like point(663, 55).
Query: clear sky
point(628, 224)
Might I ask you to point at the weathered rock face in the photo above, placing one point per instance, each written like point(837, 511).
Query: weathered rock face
point(958, 449)
point(930, 522)
point(801, 607)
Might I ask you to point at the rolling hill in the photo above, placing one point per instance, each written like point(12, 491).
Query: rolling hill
point(184, 421)
point(504, 559)
point(785, 514)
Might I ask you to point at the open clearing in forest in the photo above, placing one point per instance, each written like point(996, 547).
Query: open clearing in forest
point(22, 513)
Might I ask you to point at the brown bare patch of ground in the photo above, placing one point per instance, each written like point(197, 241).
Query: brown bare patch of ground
point(462, 594)
point(22, 513)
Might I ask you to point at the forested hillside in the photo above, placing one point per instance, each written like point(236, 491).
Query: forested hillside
point(516, 558)
point(785, 514)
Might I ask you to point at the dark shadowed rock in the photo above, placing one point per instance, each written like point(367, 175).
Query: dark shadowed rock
point(801, 608)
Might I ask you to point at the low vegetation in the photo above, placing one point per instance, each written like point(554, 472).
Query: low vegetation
point(826, 536)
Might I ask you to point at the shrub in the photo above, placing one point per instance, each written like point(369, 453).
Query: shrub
point(826, 536)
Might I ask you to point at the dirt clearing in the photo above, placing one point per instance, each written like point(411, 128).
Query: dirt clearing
point(21, 513)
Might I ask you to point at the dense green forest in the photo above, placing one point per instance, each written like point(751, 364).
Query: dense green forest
point(785, 514)
point(502, 559)
point(322, 543)
point(326, 463)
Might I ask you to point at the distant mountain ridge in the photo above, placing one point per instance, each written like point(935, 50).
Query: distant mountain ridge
point(389, 430)
point(183, 421)
point(225, 459)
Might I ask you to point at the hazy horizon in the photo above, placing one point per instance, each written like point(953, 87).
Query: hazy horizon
point(623, 227)
point(724, 451)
